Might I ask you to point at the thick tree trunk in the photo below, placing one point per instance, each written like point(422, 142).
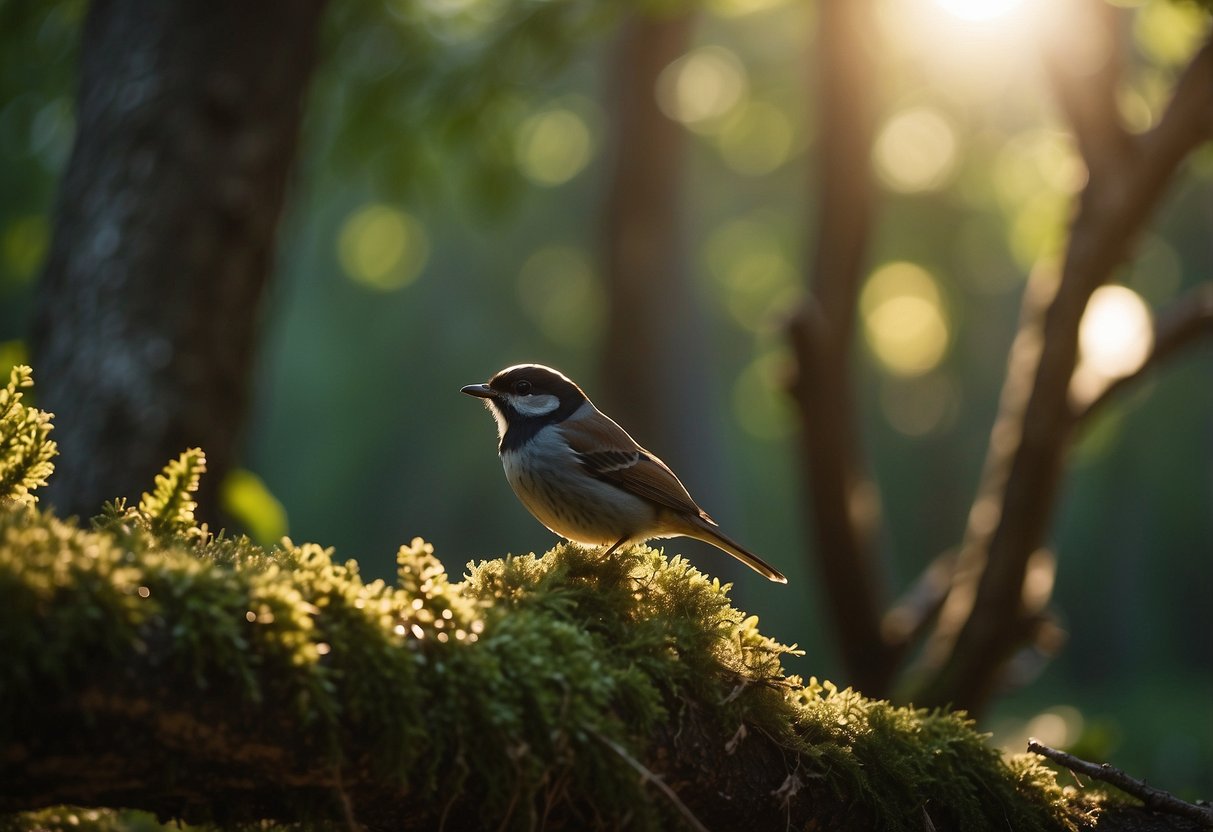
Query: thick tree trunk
point(188, 118)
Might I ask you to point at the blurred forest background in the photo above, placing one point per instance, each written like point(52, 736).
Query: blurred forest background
point(636, 200)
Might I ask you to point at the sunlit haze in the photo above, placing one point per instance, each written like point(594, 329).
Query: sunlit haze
point(979, 9)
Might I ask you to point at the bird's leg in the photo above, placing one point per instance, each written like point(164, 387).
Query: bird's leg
point(615, 546)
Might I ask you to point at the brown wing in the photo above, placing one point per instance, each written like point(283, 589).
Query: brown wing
point(609, 454)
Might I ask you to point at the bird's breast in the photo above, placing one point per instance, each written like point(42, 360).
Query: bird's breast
point(551, 482)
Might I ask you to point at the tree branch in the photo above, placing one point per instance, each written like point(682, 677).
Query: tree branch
point(1011, 515)
point(913, 613)
point(1187, 121)
point(1153, 798)
point(1085, 74)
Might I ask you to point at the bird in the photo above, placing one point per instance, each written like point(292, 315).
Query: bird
point(583, 477)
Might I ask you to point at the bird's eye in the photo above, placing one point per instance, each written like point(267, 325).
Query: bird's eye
point(522, 388)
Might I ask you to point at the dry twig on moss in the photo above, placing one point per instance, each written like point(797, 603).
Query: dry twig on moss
point(1155, 799)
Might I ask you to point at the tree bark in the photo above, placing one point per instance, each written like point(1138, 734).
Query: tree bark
point(144, 336)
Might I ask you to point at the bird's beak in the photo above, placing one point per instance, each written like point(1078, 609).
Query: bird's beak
point(480, 391)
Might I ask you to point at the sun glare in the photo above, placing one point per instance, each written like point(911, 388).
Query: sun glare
point(978, 9)
point(1114, 339)
point(1116, 332)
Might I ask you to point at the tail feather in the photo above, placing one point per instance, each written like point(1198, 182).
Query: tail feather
point(707, 531)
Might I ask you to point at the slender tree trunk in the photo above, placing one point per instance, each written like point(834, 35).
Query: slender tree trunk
point(842, 500)
point(188, 117)
point(645, 346)
point(656, 362)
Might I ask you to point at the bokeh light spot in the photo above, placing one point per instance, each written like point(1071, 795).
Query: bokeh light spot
point(756, 140)
point(382, 247)
point(244, 496)
point(916, 150)
point(752, 271)
point(978, 9)
point(919, 405)
point(560, 293)
point(904, 320)
point(740, 8)
point(553, 146)
point(759, 403)
point(702, 87)
point(1169, 32)
point(1116, 332)
point(23, 246)
point(12, 353)
point(1038, 227)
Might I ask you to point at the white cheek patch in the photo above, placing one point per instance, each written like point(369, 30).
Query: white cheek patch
point(498, 416)
point(540, 405)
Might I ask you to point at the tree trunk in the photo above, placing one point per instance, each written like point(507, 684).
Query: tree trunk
point(188, 117)
point(656, 364)
point(842, 499)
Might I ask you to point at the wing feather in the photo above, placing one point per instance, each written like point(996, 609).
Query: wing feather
point(611, 455)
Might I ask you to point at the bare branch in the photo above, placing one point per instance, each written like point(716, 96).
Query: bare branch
point(976, 632)
point(915, 610)
point(1153, 798)
point(1188, 120)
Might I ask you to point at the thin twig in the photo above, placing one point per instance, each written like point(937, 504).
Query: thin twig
point(655, 779)
point(347, 805)
point(915, 611)
point(1155, 799)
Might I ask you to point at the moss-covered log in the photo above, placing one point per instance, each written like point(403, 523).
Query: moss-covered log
point(210, 680)
point(151, 665)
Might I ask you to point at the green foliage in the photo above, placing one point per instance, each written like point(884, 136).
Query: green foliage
point(435, 78)
point(529, 684)
point(25, 445)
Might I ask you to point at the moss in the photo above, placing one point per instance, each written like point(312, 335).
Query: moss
point(517, 685)
point(26, 449)
point(76, 819)
point(538, 691)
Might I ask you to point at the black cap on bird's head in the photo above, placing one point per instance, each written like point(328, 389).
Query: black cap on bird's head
point(525, 397)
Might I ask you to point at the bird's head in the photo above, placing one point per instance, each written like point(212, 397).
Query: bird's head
point(526, 397)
